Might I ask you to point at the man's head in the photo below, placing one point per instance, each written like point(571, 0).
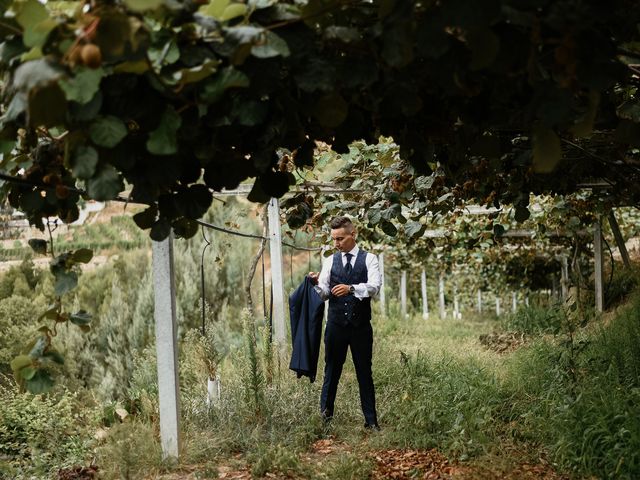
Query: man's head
point(343, 234)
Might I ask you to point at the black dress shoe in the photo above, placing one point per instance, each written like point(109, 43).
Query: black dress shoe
point(326, 417)
point(372, 426)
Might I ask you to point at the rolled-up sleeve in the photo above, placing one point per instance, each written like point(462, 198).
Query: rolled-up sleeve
point(371, 287)
point(323, 280)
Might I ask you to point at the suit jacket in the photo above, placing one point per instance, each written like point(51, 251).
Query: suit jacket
point(306, 310)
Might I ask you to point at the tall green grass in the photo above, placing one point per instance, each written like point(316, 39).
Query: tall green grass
point(579, 396)
point(572, 397)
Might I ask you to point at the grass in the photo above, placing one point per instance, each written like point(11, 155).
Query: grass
point(572, 398)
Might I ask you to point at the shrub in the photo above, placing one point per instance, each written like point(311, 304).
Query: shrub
point(40, 434)
point(18, 317)
point(131, 450)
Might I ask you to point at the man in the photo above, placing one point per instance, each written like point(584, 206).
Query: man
point(348, 279)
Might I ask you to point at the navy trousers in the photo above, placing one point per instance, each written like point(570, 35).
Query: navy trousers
point(337, 339)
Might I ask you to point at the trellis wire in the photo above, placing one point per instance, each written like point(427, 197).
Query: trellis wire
point(208, 243)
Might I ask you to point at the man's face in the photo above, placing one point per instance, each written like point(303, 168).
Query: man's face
point(343, 239)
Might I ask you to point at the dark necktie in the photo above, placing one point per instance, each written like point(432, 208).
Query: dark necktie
point(347, 267)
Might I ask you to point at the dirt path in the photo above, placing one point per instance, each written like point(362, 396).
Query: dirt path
point(388, 464)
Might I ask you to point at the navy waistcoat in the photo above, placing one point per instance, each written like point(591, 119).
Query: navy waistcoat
point(349, 310)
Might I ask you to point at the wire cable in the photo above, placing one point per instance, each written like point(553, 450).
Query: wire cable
point(208, 244)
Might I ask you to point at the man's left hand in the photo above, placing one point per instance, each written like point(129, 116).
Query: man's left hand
point(340, 290)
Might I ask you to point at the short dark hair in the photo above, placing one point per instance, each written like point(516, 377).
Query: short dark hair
point(341, 222)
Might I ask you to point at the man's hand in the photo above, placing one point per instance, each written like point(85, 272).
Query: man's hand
point(340, 290)
point(314, 277)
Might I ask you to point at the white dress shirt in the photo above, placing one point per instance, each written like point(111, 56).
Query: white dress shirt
point(361, 290)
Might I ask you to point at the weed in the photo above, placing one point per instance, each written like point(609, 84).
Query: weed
point(349, 466)
point(131, 450)
point(272, 459)
point(534, 320)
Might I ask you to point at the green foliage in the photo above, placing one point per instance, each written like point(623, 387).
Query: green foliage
point(131, 450)
point(122, 80)
point(623, 282)
point(17, 322)
point(617, 346)
point(349, 466)
point(534, 320)
point(276, 459)
point(579, 397)
point(19, 280)
point(41, 434)
point(447, 403)
point(33, 369)
point(253, 378)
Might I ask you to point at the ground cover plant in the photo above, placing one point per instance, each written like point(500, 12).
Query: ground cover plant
point(561, 403)
point(438, 388)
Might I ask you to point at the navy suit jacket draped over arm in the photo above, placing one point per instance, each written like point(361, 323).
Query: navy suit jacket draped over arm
point(306, 310)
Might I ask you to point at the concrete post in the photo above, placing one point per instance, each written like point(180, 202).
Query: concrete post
point(166, 346)
point(425, 301)
point(277, 277)
point(443, 311)
point(564, 278)
point(598, 270)
point(615, 229)
point(456, 305)
point(403, 293)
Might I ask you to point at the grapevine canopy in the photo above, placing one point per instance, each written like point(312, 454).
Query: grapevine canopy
point(179, 99)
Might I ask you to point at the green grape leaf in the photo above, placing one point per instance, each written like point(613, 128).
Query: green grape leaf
point(83, 85)
point(271, 45)
point(146, 218)
point(142, 5)
point(107, 131)
point(85, 160)
point(40, 383)
point(414, 229)
point(105, 185)
point(388, 228)
point(82, 255)
point(38, 245)
point(65, 281)
point(27, 373)
point(20, 362)
point(163, 140)
point(228, 77)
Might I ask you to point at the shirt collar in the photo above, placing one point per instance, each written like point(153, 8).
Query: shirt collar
point(353, 251)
